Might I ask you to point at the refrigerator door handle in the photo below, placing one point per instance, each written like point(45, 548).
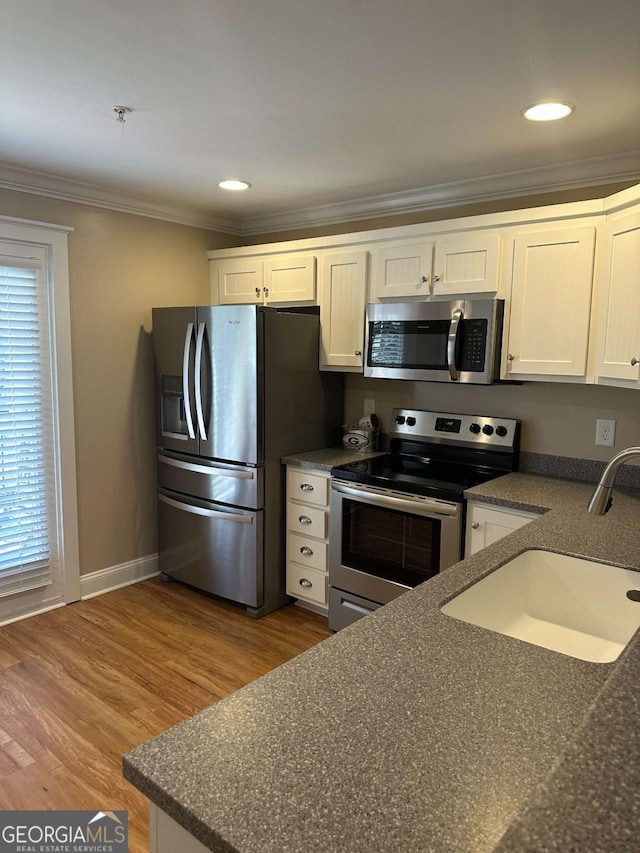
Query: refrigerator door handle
point(211, 471)
point(185, 380)
point(209, 513)
point(198, 381)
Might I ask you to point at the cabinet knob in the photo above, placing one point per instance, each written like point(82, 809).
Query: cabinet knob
point(306, 487)
point(423, 279)
point(634, 361)
point(358, 352)
point(510, 357)
point(306, 551)
point(305, 583)
point(436, 278)
point(475, 525)
point(304, 519)
point(257, 291)
point(266, 291)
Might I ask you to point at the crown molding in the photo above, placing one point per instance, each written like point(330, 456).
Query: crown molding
point(574, 174)
point(52, 186)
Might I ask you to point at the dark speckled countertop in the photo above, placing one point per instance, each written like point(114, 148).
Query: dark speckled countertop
point(413, 731)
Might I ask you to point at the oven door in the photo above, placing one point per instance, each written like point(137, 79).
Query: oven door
point(382, 542)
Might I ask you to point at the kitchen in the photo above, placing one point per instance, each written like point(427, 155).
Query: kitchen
point(121, 265)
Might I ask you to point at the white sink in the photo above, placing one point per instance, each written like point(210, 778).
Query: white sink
point(574, 606)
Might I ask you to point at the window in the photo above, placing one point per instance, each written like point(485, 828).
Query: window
point(38, 519)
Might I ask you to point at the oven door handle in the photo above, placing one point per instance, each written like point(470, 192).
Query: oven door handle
point(416, 506)
point(452, 341)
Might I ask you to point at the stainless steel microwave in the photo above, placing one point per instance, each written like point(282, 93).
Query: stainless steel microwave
point(435, 341)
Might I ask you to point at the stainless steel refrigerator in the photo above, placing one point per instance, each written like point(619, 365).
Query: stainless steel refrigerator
point(237, 388)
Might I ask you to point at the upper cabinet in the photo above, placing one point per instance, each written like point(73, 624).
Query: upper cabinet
point(550, 303)
point(343, 289)
point(466, 263)
point(265, 280)
point(562, 323)
point(402, 270)
point(617, 316)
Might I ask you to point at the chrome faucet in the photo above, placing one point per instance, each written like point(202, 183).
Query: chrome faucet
point(602, 499)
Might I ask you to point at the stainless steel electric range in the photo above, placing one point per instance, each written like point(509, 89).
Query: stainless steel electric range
point(398, 519)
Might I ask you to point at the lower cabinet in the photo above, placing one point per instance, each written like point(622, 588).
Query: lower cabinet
point(486, 524)
point(308, 536)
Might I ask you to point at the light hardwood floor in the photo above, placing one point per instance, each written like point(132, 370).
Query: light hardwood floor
point(82, 685)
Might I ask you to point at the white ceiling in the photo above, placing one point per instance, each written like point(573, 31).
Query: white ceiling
point(316, 102)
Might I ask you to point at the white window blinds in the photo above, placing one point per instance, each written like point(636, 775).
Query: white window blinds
point(26, 445)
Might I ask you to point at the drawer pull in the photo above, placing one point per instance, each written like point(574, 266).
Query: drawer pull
point(475, 525)
point(306, 487)
point(306, 551)
point(305, 583)
point(304, 519)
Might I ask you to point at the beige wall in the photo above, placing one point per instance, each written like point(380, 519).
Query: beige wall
point(120, 266)
point(559, 419)
point(436, 215)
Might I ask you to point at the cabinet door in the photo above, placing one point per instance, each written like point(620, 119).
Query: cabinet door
point(550, 302)
point(240, 281)
point(618, 317)
point(343, 283)
point(290, 278)
point(467, 264)
point(402, 271)
point(486, 525)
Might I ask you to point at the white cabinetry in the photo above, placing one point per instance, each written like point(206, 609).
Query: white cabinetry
point(466, 263)
point(550, 303)
point(258, 281)
point(617, 326)
point(343, 289)
point(307, 535)
point(402, 270)
point(486, 524)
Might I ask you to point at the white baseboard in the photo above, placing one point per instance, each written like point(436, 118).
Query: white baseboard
point(115, 577)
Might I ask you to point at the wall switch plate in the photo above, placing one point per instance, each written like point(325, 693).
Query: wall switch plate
point(605, 432)
point(369, 407)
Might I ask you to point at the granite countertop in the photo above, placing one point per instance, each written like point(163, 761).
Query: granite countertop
point(328, 458)
point(413, 731)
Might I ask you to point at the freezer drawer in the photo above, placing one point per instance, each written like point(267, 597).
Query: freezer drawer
point(215, 548)
point(219, 482)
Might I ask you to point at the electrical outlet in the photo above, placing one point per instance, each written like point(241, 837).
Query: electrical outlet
point(369, 407)
point(605, 432)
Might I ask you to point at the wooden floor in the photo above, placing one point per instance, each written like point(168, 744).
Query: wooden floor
point(82, 685)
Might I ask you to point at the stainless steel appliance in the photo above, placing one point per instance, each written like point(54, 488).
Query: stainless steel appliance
point(435, 341)
point(398, 519)
point(237, 387)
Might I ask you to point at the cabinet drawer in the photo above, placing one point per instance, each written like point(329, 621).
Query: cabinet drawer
point(307, 520)
point(306, 583)
point(307, 487)
point(307, 551)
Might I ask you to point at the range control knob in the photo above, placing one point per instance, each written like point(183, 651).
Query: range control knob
point(487, 429)
point(400, 419)
point(474, 428)
point(411, 421)
point(501, 431)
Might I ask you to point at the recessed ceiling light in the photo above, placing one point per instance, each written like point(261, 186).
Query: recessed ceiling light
point(234, 185)
point(548, 111)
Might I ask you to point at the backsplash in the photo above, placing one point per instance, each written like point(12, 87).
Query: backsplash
point(558, 420)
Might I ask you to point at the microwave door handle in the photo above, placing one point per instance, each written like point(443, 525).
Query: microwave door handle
point(198, 381)
point(185, 380)
point(452, 340)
